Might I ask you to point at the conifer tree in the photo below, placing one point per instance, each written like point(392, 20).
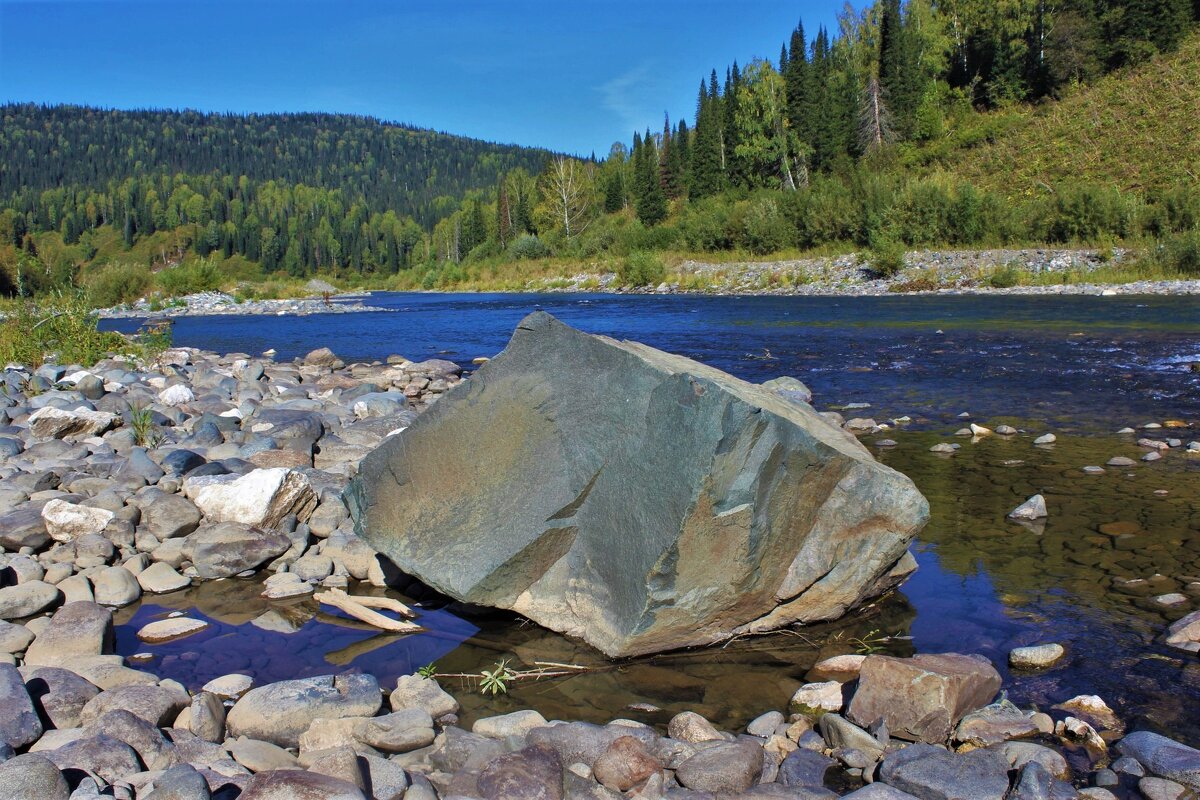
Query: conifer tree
point(705, 173)
point(671, 168)
point(796, 77)
point(651, 203)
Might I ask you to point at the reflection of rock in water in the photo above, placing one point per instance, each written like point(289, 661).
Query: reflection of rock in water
point(284, 619)
point(729, 685)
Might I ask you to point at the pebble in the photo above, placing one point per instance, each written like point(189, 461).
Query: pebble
point(1036, 656)
point(1048, 438)
point(1033, 508)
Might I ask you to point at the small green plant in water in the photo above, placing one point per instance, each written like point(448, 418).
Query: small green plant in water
point(871, 643)
point(496, 681)
point(153, 338)
point(428, 671)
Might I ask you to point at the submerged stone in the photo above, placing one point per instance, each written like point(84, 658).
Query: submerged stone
point(633, 498)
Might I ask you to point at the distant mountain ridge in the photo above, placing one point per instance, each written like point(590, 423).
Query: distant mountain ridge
point(415, 172)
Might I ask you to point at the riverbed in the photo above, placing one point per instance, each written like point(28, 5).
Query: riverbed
point(1079, 367)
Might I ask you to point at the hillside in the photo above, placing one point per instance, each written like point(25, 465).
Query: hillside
point(412, 172)
point(1135, 130)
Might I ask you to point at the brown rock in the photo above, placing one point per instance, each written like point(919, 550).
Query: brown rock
point(625, 764)
point(535, 773)
point(922, 698)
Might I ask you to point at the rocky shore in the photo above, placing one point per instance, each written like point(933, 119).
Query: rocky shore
point(123, 479)
point(202, 304)
point(943, 272)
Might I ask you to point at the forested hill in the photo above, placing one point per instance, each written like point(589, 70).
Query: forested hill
point(418, 173)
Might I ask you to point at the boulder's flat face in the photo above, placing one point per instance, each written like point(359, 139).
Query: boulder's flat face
point(635, 499)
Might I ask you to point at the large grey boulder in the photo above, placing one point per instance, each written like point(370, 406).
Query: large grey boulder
point(633, 498)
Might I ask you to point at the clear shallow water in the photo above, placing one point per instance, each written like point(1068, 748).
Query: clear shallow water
point(985, 585)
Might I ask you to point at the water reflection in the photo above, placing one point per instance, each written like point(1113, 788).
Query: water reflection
point(1085, 577)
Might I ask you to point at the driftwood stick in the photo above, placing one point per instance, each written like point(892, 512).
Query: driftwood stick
point(344, 602)
point(386, 603)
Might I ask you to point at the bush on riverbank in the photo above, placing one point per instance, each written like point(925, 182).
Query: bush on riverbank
point(62, 326)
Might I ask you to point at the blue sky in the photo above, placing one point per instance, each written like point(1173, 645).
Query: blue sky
point(573, 75)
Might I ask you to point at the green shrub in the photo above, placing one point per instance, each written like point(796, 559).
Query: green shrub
point(195, 276)
point(115, 284)
point(1183, 253)
point(704, 226)
point(1005, 277)
point(60, 327)
point(527, 247)
point(1084, 213)
point(763, 229)
point(641, 269)
point(886, 257)
point(922, 214)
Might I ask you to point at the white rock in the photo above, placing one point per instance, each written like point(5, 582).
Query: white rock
point(236, 413)
point(50, 422)
point(261, 498)
point(161, 577)
point(1033, 508)
point(176, 395)
point(1048, 438)
point(979, 430)
point(66, 522)
point(165, 630)
point(826, 695)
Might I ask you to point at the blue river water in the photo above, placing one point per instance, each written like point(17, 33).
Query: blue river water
point(1079, 366)
point(1070, 360)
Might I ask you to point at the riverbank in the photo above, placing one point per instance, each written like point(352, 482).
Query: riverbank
point(122, 480)
point(203, 304)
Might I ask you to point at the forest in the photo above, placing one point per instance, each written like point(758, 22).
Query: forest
point(854, 138)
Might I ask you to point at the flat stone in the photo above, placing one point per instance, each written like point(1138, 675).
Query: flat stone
point(1120, 461)
point(924, 697)
point(843, 668)
point(696, 456)
point(165, 630)
point(931, 773)
point(1162, 789)
point(230, 687)
point(1040, 656)
point(1018, 754)
point(280, 712)
point(110, 758)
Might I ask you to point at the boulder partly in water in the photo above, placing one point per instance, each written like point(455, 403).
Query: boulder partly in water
point(633, 498)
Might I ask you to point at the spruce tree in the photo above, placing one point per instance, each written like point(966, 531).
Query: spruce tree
point(651, 203)
point(796, 77)
point(705, 174)
point(672, 163)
